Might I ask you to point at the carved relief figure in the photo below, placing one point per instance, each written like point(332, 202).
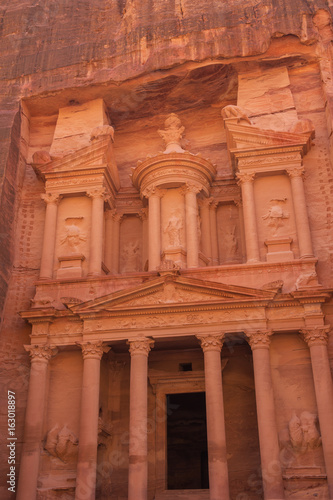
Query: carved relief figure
point(173, 230)
point(276, 215)
point(61, 443)
point(131, 256)
point(230, 243)
point(303, 431)
point(73, 236)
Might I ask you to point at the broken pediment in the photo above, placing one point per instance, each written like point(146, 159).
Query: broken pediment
point(173, 292)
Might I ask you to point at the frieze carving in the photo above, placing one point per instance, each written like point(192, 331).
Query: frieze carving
point(303, 432)
point(316, 336)
point(259, 339)
point(41, 352)
point(93, 350)
point(211, 342)
point(246, 162)
point(62, 443)
point(140, 346)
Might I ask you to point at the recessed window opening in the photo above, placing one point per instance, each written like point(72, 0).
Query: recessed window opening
point(185, 367)
point(187, 456)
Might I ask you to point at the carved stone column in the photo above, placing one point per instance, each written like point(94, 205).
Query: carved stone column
point(300, 210)
point(213, 233)
point(50, 227)
point(96, 235)
point(144, 217)
point(138, 461)
point(154, 227)
point(317, 338)
point(205, 228)
point(108, 248)
point(34, 417)
point(191, 214)
point(92, 353)
point(239, 205)
point(116, 241)
point(249, 213)
point(268, 434)
point(217, 453)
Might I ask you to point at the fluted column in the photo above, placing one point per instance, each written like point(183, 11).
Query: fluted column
point(300, 210)
point(108, 248)
point(205, 228)
point(92, 353)
point(217, 453)
point(191, 214)
point(138, 460)
point(96, 235)
point(34, 417)
point(49, 238)
point(317, 338)
point(154, 227)
point(268, 434)
point(249, 214)
point(213, 233)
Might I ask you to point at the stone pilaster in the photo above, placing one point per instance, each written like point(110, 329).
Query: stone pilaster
point(97, 225)
point(191, 213)
point(49, 238)
point(249, 216)
point(213, 232)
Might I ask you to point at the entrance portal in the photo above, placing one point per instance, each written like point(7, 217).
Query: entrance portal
point(187, 456)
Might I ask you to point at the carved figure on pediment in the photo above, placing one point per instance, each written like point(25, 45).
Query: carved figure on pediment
point(130, 256)
point(168, 265)
point(102, 131)
point(174, 230)
point(42, 302)
point(172, 134)
point(303, 432)
point(276, 215)
point(306, 279)
point(232, 111)
point(41, 157)
point(61, 443)
point(73, 236)
point(304, 126)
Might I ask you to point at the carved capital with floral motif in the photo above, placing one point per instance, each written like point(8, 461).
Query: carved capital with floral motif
point(41, 352)
point(140, 346)
point(295, 172)
point(245, 177)
point(153, 191)
point(97, 193)
point(316, 336)
point(51, 198)
point(259, 339)
point(212, 342)
point(93, 349)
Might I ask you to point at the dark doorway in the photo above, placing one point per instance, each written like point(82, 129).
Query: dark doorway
point(187, 456)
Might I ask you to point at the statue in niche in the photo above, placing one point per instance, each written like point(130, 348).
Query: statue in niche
point(303, 432)
point(172, 134)
point(174, 229)
point(230, 243)
point(73, 236)
point(276, 215)
point(131, 256)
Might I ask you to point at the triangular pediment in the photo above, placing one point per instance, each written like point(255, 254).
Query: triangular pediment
point(248, 137)
point(166, 292)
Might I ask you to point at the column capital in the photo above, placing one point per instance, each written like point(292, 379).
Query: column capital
point(316, 336)
point(245, 177)
point(204, 203)
point(295, 172)
point(140, 346)
point(143, 214)
point(259, 339)
point(51, 198)
point(93, 349)
point(40, 352)
point(189, 187)
point(116, 216)
point(99, 192)
point(213, 204)
point(153, 191)
point(212, 342)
